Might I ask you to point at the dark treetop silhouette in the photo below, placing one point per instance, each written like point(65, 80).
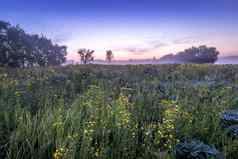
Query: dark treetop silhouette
point(86, 55)
point(201, 54)
point(109, 55)
point(19, 49)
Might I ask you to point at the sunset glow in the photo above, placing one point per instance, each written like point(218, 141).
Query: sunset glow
point(132, 30)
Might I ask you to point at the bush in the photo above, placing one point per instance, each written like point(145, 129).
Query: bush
point(195, 150)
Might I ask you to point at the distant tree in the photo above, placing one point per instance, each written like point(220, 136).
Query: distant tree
point(86, 55)
point(19, 49)
point(109, 55)
point(167, 57)
point(201, 54)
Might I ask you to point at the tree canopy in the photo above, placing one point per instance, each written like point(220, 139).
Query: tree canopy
point(109, 55)
point(20, 49)
point(201, 54)
point(86, 55)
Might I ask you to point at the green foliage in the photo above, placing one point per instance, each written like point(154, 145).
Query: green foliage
point(19, 49)
point(201, 54)
point(195, 150)
point(92, 111)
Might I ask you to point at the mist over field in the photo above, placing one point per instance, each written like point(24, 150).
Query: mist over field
point(119, 79)
point(220, 61)
point(227, 60)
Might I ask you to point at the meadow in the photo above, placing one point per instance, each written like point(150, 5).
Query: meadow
point(117, 112)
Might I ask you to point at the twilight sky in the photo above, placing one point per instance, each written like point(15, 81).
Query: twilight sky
point(133, 29)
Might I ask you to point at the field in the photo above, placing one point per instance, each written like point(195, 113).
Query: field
point(116, 112)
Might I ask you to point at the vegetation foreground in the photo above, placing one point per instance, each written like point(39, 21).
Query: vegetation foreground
point(93, 111)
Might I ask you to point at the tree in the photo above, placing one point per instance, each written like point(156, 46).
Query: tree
point(86, 55)
point(109, 55)
point(201, 54)
point(19, 49)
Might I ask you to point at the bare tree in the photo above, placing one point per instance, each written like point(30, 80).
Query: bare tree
point(86, 55)
point(109, 55)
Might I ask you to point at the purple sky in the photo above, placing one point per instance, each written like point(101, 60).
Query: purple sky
point(131, 28)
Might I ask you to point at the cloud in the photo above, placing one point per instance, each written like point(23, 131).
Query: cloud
point(157, 44)
point(186, 40)
point(138, 51)
point(133, 50)
point(141, 49)
point(62, 38)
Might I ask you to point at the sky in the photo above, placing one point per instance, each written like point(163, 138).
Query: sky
point(132, 29)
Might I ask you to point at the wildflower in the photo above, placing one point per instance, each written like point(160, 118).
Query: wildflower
point(85, 131)
point(147, 133)
point(75, 135)
point(59, 153)
point(97, 153)
point(17, 93)
point(57, 124)
point(70, 137)
point(166, 133)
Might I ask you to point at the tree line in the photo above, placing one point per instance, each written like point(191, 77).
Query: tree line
point(199, 55)
point(20, 49)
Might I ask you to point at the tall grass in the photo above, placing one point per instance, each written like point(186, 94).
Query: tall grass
point(51, 115)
